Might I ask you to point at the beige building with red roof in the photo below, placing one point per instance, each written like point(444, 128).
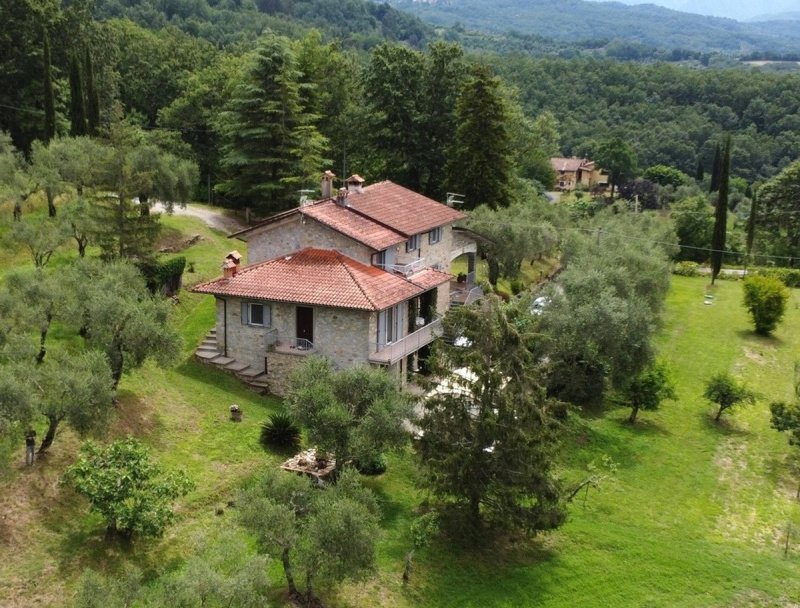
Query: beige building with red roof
point(573, 172)
point(359, 276)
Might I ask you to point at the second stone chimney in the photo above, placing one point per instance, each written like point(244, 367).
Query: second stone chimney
point(327, 184)
point(354, 183)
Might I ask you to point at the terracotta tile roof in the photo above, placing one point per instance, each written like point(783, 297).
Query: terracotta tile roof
point(429, 278)
point(571, 164)
point(318, 277)
point(356, 226)
point(401, 209)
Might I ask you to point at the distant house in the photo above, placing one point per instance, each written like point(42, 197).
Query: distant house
point(574, 172)
point(360, 276)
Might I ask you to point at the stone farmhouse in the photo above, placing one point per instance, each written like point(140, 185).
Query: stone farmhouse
point(574, 172)
point(360, 276)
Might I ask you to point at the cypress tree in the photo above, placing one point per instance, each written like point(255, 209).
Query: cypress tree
point(721, 216)
point(715, 170)
point(77, 107)
point(92, 97)
point(700, 172)
point(49, 96)
point(751, 228)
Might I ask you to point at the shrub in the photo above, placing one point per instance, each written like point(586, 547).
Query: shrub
point(280, 431)
point(686, 269)
point(517, 287)
point(765, 298)
point(788, 276)
point(374, 465)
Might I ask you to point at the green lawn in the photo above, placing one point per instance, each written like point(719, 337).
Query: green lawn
point(695, 516)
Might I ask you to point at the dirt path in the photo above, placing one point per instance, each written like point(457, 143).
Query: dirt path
point(212, 216)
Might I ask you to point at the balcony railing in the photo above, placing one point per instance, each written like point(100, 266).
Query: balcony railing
point(288, 344)
point(392, 352)
point(408, 267)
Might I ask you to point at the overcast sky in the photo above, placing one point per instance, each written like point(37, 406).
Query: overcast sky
point(735, 9)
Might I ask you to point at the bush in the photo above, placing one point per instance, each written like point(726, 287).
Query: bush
point(163, 277)
point(686, 269)
point(280, 431)
point(765, 298)
point(374, 465)
point(788, 276)
point(517, 287)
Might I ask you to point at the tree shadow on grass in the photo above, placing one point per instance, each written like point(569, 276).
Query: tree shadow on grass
point(643, 426)
point(489, 573)
point(750, 336)
point(724, 426)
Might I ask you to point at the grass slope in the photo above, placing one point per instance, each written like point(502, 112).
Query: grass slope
point(695, 516)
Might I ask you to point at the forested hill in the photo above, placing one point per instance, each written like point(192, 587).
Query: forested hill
point(577, 20)
point(356, 22)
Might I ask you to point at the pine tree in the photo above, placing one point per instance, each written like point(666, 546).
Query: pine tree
point(715, 169)
point(92, 97)
point(261, 130)
point(721, 216)
point(49, 96)
point(480, 161)
point(77, 105)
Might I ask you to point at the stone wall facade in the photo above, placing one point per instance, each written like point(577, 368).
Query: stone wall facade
point(298, 232)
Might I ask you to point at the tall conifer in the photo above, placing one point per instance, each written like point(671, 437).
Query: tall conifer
point(92, 97)
point(715, 170)
point(721, 216)
point(77, 106)
point(49, 96)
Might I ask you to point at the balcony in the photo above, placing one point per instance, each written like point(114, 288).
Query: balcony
point(394, 351)
point(290, 345)
point(407, 267)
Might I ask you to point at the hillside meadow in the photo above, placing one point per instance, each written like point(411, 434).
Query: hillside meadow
point(696, 514)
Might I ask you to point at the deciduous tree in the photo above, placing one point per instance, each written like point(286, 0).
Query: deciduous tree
point(356, 413)
point(726, 392)
point(324, 536)
point(127, 488)
point(648, 389)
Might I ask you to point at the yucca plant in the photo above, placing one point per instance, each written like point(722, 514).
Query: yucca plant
point(280, 431)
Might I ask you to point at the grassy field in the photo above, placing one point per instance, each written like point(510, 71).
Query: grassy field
point(696, 515)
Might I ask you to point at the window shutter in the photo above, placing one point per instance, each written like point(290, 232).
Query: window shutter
point(245, 310)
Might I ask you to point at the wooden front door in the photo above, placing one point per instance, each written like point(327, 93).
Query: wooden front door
point(305, 323)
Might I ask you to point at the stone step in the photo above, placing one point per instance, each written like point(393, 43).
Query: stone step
point(237, 367)
point(249, 373)
point(259, 382)
point(212, 332)
point(207, 355)
point(223, 361)
point(208, 344)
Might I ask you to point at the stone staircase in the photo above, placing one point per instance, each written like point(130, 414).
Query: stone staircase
point(208, 354)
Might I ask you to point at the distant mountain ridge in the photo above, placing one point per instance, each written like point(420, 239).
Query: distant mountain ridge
point(578, 20)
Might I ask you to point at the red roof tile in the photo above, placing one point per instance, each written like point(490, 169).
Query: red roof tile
point(356, 226)
point(401, 209)
point(376, 215)
point(318, 277)
point(571, 164)
point(429, 278)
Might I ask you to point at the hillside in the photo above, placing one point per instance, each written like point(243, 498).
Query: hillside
point(576, 20)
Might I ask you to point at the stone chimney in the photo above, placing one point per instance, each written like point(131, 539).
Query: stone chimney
point(354, 183)
point(341, 197)
point(327, 184)
point(234, 256)
point(229, 269)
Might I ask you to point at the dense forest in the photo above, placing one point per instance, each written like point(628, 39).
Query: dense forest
point(574, 20)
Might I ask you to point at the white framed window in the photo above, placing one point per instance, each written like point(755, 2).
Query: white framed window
point(435, 235)
point(256, 313)
point(412, 244)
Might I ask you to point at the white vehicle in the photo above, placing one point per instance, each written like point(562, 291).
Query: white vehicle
point(539, 304)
